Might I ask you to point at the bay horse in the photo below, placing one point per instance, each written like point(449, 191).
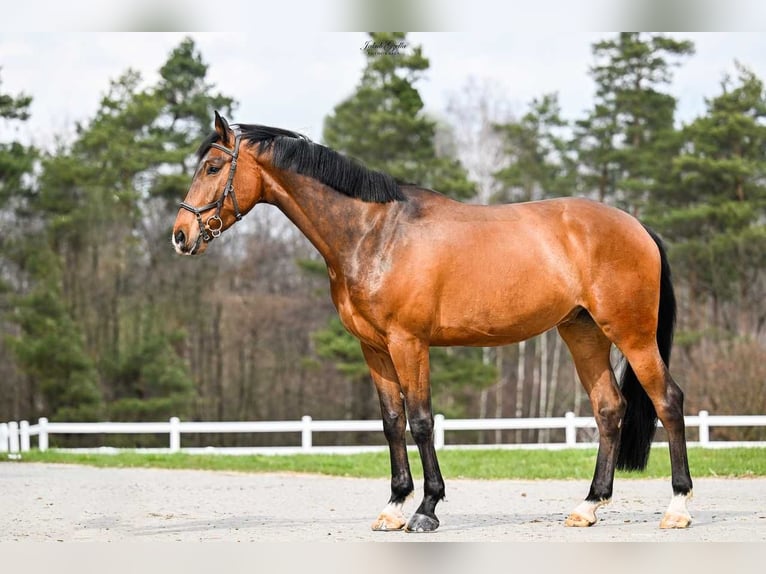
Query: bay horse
point(410, 268)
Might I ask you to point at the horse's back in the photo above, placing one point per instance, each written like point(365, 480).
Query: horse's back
point(560, 235)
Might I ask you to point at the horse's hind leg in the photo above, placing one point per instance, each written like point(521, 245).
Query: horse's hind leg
point(668, 401)
point(590, 350)
point(394, 427)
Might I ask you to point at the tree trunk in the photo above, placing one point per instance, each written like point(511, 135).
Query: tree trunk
point(483, 411)
point(535, 394)
point(499, 392)
point(218, 358)
point(520, 376)
point(555, 368)
point(543, 399)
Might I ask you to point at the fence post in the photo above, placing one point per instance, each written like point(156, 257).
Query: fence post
point(13, 438)
point(570, 430)
point(4, 436)
point(24, 436)
point(439, 431)
point(704, 428)
point(306, 441)
point(42, 439)
point(175, 434)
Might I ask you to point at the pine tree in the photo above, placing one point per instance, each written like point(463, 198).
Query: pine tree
point(383, 123)
point(51, 351)
point(713, 214)
point(44, 343)
point(627, 140)
point(15, 159)
point(100, 210)
point(187, 104)
point(539, 162)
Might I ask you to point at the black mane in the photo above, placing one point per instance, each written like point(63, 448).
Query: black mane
point(296, 152)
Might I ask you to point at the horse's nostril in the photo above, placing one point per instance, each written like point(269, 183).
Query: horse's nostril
point(180, 238)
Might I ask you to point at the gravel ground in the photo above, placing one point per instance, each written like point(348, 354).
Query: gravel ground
point(41, 502)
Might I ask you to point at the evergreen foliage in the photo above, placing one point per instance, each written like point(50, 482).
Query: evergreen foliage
point(383, 124)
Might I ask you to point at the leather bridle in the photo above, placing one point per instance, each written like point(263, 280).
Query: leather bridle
point(213, 225)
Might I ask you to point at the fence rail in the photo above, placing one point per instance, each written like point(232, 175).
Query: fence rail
point(15, 437)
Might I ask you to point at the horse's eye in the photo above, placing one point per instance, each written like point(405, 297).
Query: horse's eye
point(213, 169)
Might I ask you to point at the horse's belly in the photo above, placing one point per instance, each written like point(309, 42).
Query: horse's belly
point(488, 315)
point(503, 329)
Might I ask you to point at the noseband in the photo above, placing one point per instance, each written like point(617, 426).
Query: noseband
point(213, 225)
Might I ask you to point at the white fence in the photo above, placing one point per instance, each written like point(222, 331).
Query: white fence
point(17, 437)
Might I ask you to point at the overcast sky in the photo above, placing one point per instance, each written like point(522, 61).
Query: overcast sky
point(295, 81)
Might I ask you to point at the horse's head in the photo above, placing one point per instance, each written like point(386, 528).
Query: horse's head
point(211, 205)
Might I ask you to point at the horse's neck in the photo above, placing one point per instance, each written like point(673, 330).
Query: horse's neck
point(334, 223)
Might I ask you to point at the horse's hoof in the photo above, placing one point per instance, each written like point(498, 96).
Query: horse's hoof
point(676, 516)
point(585, 513)
point(422, 523)
point(390, 518)
point(387, 522)
point(579, 521)
point(675, 520)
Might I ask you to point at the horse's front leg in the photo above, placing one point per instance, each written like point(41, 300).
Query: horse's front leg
point(394, 427)
point(411, 360)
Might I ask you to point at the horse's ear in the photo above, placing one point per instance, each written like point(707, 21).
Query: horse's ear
point(222, 127)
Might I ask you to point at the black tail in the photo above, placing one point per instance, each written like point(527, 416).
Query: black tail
point(640, 420)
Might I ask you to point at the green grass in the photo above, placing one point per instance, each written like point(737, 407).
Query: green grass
point(483, 464)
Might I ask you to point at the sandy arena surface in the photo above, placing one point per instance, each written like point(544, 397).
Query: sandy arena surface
point(70, 503)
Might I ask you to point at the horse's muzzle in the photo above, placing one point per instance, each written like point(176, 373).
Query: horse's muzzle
point(183, 245)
